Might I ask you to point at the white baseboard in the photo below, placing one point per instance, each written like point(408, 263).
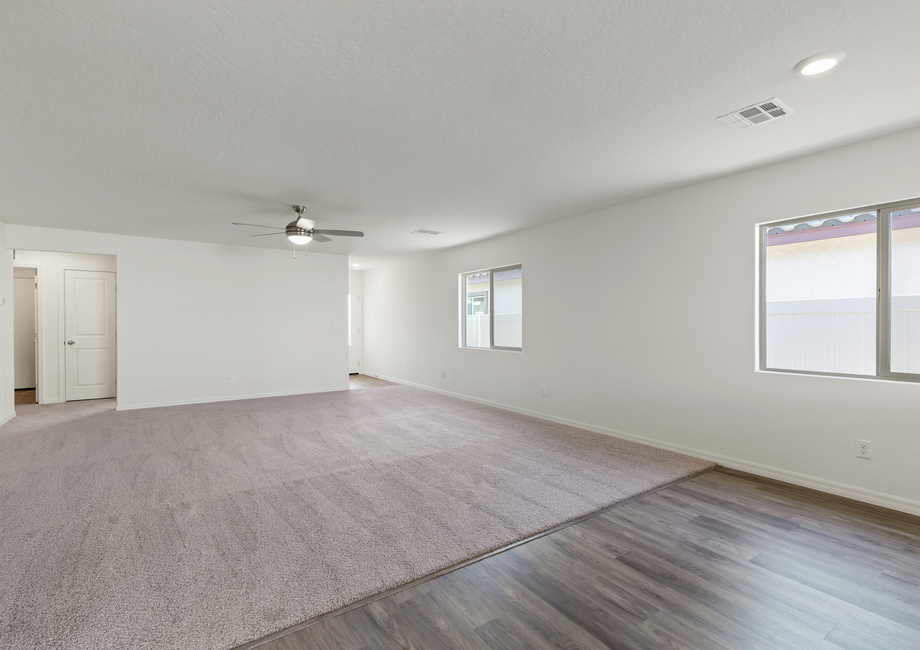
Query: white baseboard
point(890, 501)
point(6, 418)
point(235, 398)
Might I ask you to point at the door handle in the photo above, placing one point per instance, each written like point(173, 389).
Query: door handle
point(70, 342)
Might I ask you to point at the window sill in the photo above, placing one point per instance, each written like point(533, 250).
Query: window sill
point(830, 375)
point(470, 347)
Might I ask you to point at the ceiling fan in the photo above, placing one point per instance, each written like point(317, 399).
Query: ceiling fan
point(302, 231)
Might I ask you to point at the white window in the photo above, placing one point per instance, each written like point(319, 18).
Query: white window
point(492, 308)
point(840, 293)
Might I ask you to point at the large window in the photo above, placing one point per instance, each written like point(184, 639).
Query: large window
point(491, 310)
point(840, 293)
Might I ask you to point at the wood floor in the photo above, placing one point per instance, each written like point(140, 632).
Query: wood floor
point(366, 381)
point(722, 561)
point(25, 396)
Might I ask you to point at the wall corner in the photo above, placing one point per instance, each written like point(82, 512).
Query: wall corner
point(7, 395)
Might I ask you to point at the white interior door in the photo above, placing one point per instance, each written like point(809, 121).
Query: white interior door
point(89, 331)
point(24, 331)
point(354, 329)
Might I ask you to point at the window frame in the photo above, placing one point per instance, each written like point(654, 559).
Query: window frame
point(882, 294)
point(491, 308)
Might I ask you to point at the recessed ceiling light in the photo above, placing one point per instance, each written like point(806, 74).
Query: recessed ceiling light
point(819, 63)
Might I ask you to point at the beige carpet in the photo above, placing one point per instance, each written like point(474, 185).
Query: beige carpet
point(211, 525)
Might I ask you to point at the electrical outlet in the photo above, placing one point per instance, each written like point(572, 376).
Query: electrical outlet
point(542, 391)
point(229, 379)
point(863, 449)
point(443, 374)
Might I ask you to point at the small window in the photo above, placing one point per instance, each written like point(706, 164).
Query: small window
point(477, 303)
point(492, 309)
point(840, 293)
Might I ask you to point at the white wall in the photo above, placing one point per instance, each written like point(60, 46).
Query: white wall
point(355, 287)
point(7, 398)
point(51, 267)
point(24, 327)
point(641, 320)
point(190, 314)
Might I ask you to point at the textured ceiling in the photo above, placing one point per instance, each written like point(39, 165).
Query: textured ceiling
point(173, 118)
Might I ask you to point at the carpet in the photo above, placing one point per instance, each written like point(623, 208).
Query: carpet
point(207, 526)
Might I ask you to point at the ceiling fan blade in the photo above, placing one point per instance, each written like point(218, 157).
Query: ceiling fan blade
point(339, 233)
point(268, 234)
point(320, 238)
point(256, 225)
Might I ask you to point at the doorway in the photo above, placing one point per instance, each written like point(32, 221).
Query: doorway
point(354, 330)
point(25, 335)
point(74, 337)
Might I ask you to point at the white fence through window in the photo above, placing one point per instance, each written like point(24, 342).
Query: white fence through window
point(508, 328)
point(839, 335)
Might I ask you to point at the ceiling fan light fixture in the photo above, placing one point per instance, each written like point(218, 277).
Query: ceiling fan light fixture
point(298, 236)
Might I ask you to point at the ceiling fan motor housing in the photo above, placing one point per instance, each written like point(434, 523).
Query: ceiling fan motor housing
point(293, 229)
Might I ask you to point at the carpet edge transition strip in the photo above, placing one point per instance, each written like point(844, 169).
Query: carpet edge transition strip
point(460, 565)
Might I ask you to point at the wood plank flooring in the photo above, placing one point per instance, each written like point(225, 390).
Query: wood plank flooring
point(366, 381)
point(25, 396)
point(721, 561)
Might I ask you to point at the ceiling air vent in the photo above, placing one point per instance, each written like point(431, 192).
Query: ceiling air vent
point(765, 111)
point(422, 231)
